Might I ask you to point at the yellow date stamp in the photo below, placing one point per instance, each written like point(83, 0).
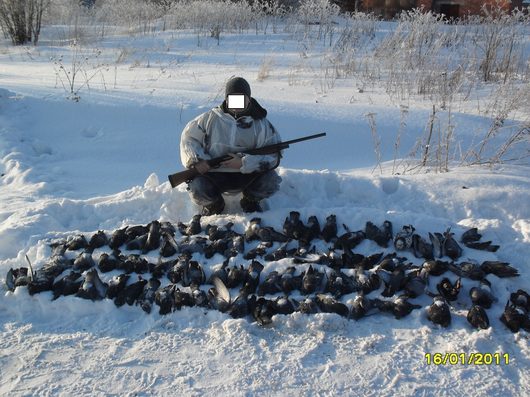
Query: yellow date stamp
point(467, 358)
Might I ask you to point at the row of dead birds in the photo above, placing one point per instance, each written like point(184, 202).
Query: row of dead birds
point(322, 290)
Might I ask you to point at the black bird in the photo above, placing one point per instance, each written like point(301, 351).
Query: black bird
point(83, 261)
point(415, 283)
point(271, 284)
point(380, 235)
point(482, 295)
point(193, 228)
point(394, 281)
point(500, 269)
point(193, 275)
point(289, 282)
point(366, 282)
point(470, 235)
point(133, 232)
point(92, 288)
point(214, 232)
point(219, 296)
point(308, 306)
point(168, 246)
point(106, 263)
point(311, 281)
point(259, 250)
point(438, 312)
point(284, 305)
point(182, 298)
point(137, 243)
point(130, 293)
point(349, 240)
point(98, 240)
point(281, 253)
point(191, 245)
point(400, 307)
point(521, 299)
point(17, 277)
point(153, 237)
point(262, 310)
point(360, 306)
point(161, 268)
point(267, 234)
point(134, 263)
point(450, 246)
point(216, 247)
point(165, 299)
point(117, 239)
point(74, 243)
point(328, 304)
point(293, 227)
point(467, 270)
point(240, 308)
point(252, 277)
point(42, 279)
point(449, 290)
point(200, 298)
point(236, 276)
point(67, 285)
point(478, 317)
point(176, 273)
point(421, 248)
point(147, 297)
point(514, 317)
point(434, 267)
point(437, 244)
point(312, 231)
point(483, 246)
point(329, 231)
point(116, 285)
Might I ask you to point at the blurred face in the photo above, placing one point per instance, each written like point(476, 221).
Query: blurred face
point(237, 102)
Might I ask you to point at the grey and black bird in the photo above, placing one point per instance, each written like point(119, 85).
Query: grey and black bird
point(130, 293)
point(499, 269)
point(438, 312)
point(117, 284)
point(165, 299)
point(67, 285)
point(482, 295)
point(328, 304)
point(449, 290)
point(515, 318)
point(92, 287)
point(478, 317)
point(147, 297)
point(329, 230)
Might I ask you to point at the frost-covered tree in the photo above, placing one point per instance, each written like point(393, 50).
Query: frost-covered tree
point(21, 19)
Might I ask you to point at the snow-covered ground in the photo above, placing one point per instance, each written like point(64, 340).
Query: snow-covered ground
point(101, 163)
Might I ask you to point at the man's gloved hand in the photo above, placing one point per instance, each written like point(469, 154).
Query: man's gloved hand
point(235, 162)
point(202, 166)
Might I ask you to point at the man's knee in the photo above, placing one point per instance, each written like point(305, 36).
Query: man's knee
point(264, 186)
point(203, 191)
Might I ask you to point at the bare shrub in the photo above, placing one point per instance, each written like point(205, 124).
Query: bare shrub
point(21, 19)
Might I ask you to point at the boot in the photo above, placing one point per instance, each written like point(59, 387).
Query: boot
point(213, 209)
point(250, 204)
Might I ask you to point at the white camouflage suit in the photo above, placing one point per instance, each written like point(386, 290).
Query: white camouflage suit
point(217, 133)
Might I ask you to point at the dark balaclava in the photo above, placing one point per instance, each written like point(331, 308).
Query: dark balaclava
point(238, 85)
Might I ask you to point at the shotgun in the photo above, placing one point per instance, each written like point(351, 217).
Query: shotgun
point(187, 175)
